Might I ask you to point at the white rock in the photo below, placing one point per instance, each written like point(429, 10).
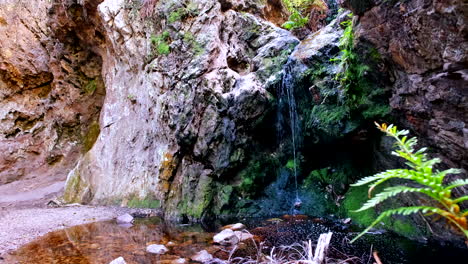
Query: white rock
point(156, 249)
point(118, 260)
point(125, 219)
point(226, 237)
point(179, 261)
point(202, 256)
point(243, 235)
point(235, 227)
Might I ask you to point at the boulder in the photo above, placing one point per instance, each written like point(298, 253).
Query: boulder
point(156, 249)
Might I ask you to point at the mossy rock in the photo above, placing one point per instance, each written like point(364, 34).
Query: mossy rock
point(147, 202)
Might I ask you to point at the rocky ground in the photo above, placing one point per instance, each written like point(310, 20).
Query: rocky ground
point(25, 216)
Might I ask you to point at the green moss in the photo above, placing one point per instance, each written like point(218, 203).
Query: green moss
point(148, 202)
point(90, 87)
point(354, 199)
point(91, 136)
point(256, 173)
point(197, 201)
point(75, 188)
point(357, 196)
point(190, 39)
point(174, 16)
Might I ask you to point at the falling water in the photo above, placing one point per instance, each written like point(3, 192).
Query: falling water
point(286, 90)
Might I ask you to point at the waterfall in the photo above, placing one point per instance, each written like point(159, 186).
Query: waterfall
point(286, 92)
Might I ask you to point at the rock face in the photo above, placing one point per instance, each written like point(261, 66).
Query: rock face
point(187, 86)
point(426, 43)
point(51, 92)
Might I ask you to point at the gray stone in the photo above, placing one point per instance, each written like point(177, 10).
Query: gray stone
point(125, 219)
point(202, 256)
point(157, 249)
point(226, 237)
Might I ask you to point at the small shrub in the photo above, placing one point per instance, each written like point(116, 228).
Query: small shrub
point(160, 43)
point(428, 182)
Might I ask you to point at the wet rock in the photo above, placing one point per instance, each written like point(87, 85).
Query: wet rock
point(125, 219)
point(242, 235)
point(226, 237)
point(180, 261)
point(119, 260)
point(202, 256)
point(171, 244)
point(347, 221)
point(157, 249)
point(235, 227)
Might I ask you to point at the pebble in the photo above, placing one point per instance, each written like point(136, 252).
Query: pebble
point(156, 249)
point(202, 256)
point(118, 260)
point(125, 219)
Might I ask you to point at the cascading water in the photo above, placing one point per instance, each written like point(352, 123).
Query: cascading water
point(286, 92)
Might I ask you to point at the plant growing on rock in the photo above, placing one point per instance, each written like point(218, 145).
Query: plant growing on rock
point(304, 11)
point(161, 43)
point(424, 177)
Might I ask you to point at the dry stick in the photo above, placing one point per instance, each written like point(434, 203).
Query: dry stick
point(376, 257)
point(322, 247)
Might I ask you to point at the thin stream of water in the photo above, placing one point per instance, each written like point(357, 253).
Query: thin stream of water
point(287, 88)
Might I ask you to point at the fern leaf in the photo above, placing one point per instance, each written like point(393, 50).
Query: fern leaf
point(390, 192)
point(456, 183)
point(397, 173)
point(461, 199)
point(399, 211)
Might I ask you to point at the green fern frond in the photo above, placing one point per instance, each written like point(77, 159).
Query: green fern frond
point(422, 172)
point(393, 191)
point(397, 173)
point(456, 183)
point(399, 211)
point(461, 199)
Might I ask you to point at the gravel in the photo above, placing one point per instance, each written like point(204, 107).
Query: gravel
point(20, 226)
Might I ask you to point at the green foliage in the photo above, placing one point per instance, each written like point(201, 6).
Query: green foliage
point(300, 12)
point(160, 43)
point(296, 20)
point(427, 180)
point(189, 10)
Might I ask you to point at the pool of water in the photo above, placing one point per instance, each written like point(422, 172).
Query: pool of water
point(103, 242)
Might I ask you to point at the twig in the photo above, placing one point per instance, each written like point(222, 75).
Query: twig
point(376, 257)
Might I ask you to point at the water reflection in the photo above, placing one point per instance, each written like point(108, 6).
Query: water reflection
point(104, 241)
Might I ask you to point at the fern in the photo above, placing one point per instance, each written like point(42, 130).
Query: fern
point(429, 182)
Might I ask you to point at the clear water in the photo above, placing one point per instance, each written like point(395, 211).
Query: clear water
point(102, 242)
